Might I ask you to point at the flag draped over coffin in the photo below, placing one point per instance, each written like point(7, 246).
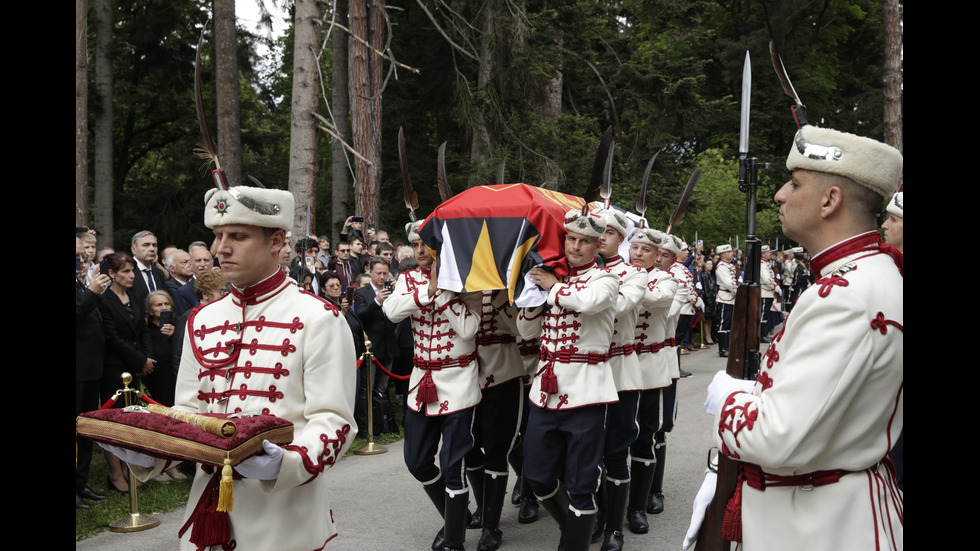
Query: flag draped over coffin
point(489, 237)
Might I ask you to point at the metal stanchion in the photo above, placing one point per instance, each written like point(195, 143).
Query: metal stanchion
point(134, 522)
point(367, 363)
point(704, 345)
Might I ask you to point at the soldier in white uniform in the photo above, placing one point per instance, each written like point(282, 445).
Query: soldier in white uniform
point(267, 347)
point(498, 417)
point(573, 382)
point(655, 368)
point(727, 277)
point(813, 432)
point(621, 423)
point(767, 286)
point(443, 389)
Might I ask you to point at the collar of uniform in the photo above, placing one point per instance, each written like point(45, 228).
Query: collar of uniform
point(613, 261)
point(262, 290)
point(827, 260)
point(579, 270)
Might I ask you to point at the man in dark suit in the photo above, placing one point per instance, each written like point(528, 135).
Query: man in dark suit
point(148, 276)
point(380, 330)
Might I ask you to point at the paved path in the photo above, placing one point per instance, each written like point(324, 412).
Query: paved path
point(379, 506)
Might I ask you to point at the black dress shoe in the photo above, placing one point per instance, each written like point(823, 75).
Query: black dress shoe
point(515, 496)
point(655, 505)
point(475, 519)
point(529, 511)
point(637, 521)
point(685, 374)
point(89, 493)
point(80, 503)
point(613, 541)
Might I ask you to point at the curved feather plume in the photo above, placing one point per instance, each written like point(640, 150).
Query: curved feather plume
point(207, 149)
point(799, 110)
point(500, 172)
point(605, 191)
point(445, 192)
point(601, 156)
point(641, 199)
point(678, 217)
point(411, 198)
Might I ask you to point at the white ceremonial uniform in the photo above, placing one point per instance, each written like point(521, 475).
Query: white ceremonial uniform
point(727, 277)
point(574, 333)
point(272, 348)
point(445, 347)
point(500, 358)
point(767, 281)
point(623, 359)
point(828, 403)
point(680, 305)
point(651, 328)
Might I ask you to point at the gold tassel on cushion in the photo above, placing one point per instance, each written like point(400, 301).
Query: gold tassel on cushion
point(226, 497)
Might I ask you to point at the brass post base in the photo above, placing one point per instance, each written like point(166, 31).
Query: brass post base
point(134, 522)
point(371, 448)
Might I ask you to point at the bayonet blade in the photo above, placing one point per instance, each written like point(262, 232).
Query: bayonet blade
point(743, 135)
point(500, 172)
point(606, 190)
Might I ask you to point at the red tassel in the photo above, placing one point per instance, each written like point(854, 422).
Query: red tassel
point(731, 525)
point(427, 389)
point(210, 526)
point(549, 381)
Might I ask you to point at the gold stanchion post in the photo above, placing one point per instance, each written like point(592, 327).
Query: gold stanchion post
point(134, 522)
point(367, 362)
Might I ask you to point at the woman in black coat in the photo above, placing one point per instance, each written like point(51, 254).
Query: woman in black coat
point(127, 343)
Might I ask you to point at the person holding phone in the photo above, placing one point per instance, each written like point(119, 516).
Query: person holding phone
point(160, 325)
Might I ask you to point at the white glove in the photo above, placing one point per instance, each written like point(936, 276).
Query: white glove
point(262, 467)
point(130, 456)
point(721, 387)
point(701, 502)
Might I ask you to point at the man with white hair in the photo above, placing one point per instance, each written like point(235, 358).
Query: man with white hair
point(812, 433)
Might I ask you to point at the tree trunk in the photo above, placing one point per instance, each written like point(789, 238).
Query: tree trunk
point(893, 76)
point(226, 70)
point(480, 149)
point(366, 70)
point(104, 223)
point(304, 128)
point(81, 113)
point(341, 110)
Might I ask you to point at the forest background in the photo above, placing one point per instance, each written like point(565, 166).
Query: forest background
point(533, 83)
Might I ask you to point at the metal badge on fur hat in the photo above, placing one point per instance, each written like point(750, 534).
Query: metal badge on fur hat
point(584, 222)
point(896, 205)
point(868, 162)
point(648, 236)
point(252, 206)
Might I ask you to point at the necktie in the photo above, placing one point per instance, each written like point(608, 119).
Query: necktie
point(149, 280)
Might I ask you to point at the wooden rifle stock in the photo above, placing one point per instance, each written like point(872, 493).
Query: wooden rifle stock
point(743, 362)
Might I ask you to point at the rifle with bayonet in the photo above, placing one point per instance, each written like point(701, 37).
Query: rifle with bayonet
point(744, 355)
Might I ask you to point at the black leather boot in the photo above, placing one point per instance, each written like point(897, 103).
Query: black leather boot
point(600, 517)
point(437, 494)
point(476, 484)
point(655, 505)
point(617, 496)
point(723, 344)
point(578, 529)
point(641, 474)
point(529, 504)
point(557, 505)
point(494, 490)
point(457, 508)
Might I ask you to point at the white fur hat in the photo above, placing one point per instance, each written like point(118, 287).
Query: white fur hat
point(615, 219)
point(252, 206)
point(591, 224)
point(868, 162)
point(896, 205)
point(674, 244)
point(726, 248)
point(649, 236)
point(766, 249)
point(412, 230)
